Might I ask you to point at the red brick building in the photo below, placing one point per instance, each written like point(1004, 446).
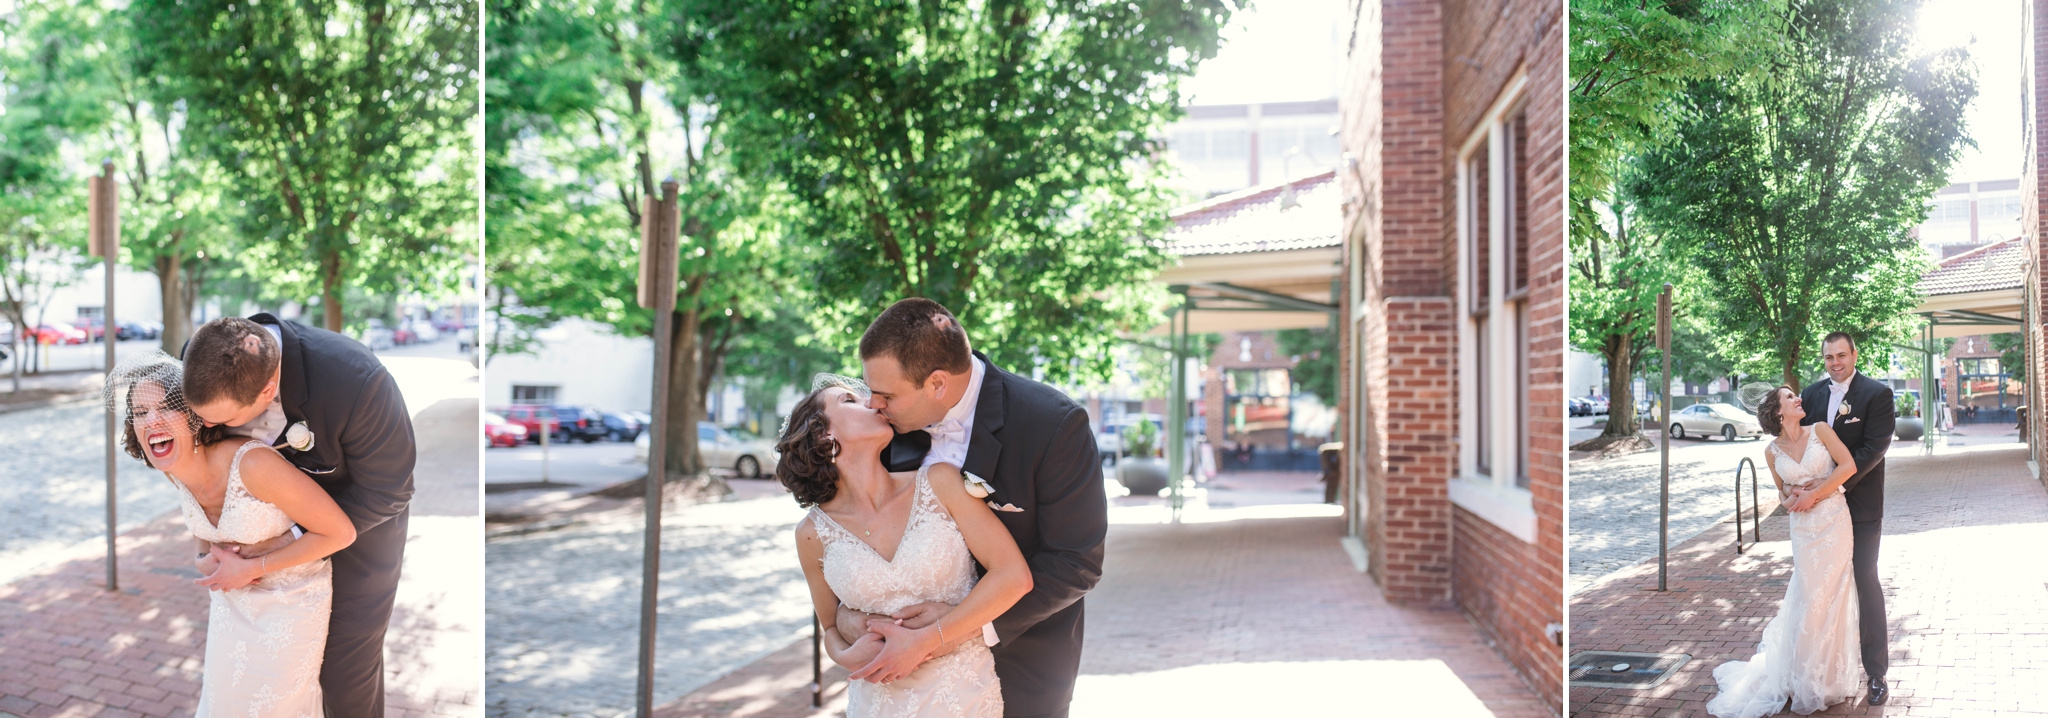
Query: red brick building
point(1454, 251)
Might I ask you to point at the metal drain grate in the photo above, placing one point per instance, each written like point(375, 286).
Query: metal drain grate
point(1595, 669)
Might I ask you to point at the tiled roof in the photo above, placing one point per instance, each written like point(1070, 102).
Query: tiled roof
point(1251, 220)
point(2000, 265)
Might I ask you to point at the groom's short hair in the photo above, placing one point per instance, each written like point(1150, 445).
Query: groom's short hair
point(921, 335)
point(229, 357)
point(1833, 337)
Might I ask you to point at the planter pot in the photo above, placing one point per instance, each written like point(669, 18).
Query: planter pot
point(1910, 428)
point(1143, 476)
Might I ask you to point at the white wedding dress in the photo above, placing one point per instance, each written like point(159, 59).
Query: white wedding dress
point(263, 641)
point(1810, 652)
point(932, 564)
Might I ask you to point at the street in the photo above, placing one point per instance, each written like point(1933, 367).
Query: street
point(62, 628)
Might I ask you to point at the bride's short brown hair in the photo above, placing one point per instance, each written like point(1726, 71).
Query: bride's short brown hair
point(806, 451)
point(1770, 415)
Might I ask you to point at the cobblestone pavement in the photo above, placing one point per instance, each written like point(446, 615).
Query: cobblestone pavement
point(1969, 631)
point(1613, 507)
point(563, 610)
point(69, 647)
point(1248, 607)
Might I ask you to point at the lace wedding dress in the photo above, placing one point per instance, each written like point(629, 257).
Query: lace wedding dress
point(263, 641)
point(1810, 652)
point(932, 564)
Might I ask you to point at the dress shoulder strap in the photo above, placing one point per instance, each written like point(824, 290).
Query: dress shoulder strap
point(828, 530)
point(235, 468)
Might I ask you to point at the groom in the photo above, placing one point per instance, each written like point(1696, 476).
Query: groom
point(1860, 410)
point(327, 404)
point(1033, 444)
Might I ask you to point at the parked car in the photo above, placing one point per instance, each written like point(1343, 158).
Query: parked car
point(6, 334)
point(125, 331)
point(1576, 406)
point(620, 426)
point(529, 417)
point(750, 458)
point(425, 329)
point(92, 327)
point(377, 336)
point(499, 432)
point(1596, 405)
point(1705, 420)
point(579, 423)
point(58, 333)
point(1109, 442)
point(403, 335)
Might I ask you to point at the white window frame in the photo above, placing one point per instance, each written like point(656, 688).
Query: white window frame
point(1494, 498)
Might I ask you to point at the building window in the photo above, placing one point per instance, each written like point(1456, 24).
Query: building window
point(533, 394)
point(1493, 304)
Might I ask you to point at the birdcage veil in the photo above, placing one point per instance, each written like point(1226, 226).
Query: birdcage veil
point(1753, 394)
point(153, 368)
point(822, 380)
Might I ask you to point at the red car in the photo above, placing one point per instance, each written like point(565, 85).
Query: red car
point(530, 417)
point(59, 333)
point(499, 432)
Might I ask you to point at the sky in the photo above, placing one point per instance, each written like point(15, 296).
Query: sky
point(1991, 30)
point(1279, 51)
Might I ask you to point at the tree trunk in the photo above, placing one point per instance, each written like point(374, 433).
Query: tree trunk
point(1621, 400)
point(684, 410)
point(170, 278)
point(1792, 369)
point(330, 291)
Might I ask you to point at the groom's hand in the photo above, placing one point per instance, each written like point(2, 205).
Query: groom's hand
point(852, 623)
point(259, 549)
point(924, 614)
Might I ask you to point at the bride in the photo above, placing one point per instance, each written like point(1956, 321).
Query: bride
point(267, 625)
point(1810, 653)
point(881, 542)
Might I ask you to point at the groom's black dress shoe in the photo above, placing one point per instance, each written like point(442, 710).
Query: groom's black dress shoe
point(1878, 691)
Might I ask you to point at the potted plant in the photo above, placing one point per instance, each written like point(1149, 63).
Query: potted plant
point(1910, 426)
point(1141, 471)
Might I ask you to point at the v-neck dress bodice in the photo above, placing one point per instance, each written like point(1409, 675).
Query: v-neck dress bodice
point(1811, 652)
point(264, 641)
point(932, 563)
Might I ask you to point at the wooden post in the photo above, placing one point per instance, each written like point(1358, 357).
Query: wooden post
point(103, 240)
point(659, 224)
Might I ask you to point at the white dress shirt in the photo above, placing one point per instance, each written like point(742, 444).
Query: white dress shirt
point(1836, 392)
point(949, 446)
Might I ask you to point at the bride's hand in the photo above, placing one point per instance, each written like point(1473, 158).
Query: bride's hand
point(903, 650)
point(206, 563)
point(234, 571)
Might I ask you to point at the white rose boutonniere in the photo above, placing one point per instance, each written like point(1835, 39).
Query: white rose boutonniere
point(299, 437)
point(977, 487)
point(1844, 410)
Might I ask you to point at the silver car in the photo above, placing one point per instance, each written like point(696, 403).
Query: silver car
point(1707, 420)
point(749, 458)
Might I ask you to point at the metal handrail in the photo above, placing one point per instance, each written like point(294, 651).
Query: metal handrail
point(1756, 508)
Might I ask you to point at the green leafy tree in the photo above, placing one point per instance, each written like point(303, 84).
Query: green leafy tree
point(1316, 367)
point(344, 128)
point(47, 68)
point(587, 113)
point(1629, 60)
point(1796, 188)
point(998, 158)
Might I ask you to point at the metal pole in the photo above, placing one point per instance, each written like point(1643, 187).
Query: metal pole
point(107, 241)
point(547, 430)
point(1176, 420)
point(659, 234)
point(817, 664)
point(1664, 442)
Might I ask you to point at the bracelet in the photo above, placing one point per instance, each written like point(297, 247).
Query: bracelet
point(942, 632)
point(263, 563)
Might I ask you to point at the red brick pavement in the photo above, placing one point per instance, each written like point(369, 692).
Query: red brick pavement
point(1964, 594)
point(69, 647)
point(1264, 596)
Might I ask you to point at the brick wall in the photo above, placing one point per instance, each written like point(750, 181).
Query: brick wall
point(1415, 91)
point(1511, 588)
point(2035, 39)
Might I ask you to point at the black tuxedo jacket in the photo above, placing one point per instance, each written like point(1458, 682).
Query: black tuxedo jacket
point(1034, 445)
point(1866, 428)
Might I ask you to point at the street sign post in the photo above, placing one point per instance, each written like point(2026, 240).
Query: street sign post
point(103, 240)
point(1663, 441)
point(659, 224)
